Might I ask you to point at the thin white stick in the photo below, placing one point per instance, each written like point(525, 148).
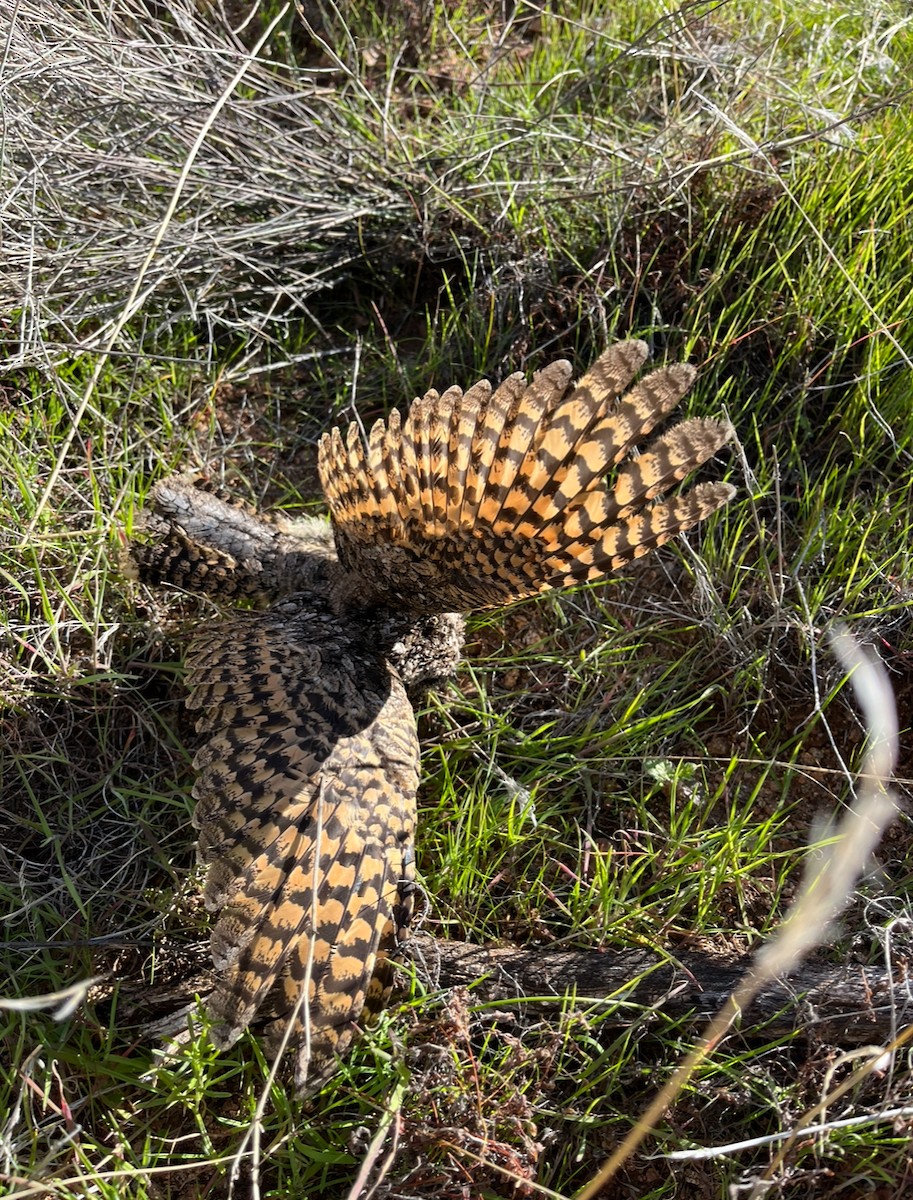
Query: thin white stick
point(703, 1152)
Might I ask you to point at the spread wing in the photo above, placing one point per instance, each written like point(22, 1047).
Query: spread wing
point(306, 811)
point(478, 498)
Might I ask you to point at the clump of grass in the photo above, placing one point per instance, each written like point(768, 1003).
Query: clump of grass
point(537, 134)
point(827, 889)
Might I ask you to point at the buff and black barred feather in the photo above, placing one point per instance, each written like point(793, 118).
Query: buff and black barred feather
point(478, 499)
point(199, 539)
point(305, 795)
point(307, 776)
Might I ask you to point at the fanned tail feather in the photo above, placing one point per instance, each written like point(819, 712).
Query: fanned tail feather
point(497, 416)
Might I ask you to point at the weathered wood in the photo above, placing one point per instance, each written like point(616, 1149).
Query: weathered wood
point(846, 1003)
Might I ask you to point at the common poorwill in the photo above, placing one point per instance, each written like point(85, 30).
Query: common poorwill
point(308, 770)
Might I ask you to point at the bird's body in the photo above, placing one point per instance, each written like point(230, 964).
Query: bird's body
point(307, 775)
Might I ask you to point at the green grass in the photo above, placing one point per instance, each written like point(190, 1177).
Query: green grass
point(634, 763)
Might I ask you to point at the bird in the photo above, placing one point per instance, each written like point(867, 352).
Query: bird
point(308, 766)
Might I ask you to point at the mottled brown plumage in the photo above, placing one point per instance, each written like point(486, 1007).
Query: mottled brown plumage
point(307, 776)
point(199, 540)
point(306, 810)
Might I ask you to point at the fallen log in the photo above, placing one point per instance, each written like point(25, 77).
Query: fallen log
point(844, 1003)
